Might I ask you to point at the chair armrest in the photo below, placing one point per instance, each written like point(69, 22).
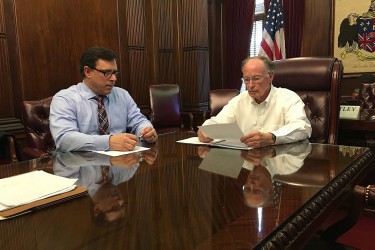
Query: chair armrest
point(206, 115)
point(33, 153)
point(362, 202)
point(369, 209)
point(12, 147)
point(187, 120)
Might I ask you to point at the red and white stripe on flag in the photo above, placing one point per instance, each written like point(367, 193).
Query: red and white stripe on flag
point(273, 38)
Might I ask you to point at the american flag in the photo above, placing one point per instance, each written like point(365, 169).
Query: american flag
point(273, 39)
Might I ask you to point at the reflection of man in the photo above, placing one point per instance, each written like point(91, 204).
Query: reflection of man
point(101, 174)
point(264, 163)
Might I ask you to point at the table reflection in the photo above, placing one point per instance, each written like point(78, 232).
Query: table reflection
point(101, 174)
point(264, 164)
point(256, 168)
point(237, 200)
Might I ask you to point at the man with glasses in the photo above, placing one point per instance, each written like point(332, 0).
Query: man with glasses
point(266, 115)
point(96, 115)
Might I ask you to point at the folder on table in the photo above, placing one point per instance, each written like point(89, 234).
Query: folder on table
point(34, 190)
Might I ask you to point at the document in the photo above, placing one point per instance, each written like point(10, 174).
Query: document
point(223, 131)
point(225, 135)
point(33, 186)
point(117, 153)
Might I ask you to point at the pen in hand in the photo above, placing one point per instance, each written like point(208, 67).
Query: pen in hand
point(140, 136)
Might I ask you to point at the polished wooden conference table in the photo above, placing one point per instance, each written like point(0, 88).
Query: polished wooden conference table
point(180, 196)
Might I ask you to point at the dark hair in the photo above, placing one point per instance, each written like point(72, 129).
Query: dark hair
point(92, 55)
point(269, 64)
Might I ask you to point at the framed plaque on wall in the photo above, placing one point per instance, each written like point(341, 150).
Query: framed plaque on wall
point(354, 34)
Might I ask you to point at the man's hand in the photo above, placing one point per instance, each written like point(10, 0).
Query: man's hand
point(126, 161)
point(203, 137)
point(149, 134)
point(203, 151)
point(257, 139)
point(150, 155)
point(255, 156)
point(123, 142)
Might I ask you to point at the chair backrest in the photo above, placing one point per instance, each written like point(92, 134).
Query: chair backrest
point(36, 122)
point(219, 98)
point(165, 102)
point(317, 80)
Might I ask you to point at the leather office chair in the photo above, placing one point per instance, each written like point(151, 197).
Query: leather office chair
point(218, 98)
point(166, 109)
point(38, 135)
point(317, 80)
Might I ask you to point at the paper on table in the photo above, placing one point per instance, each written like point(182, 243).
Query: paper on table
point(117, 153)
point(195, 140)
point(25, 188)
point(230, 143)
point(4, 207)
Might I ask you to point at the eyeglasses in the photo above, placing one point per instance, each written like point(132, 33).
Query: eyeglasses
point(108, 73)
point(254, 79)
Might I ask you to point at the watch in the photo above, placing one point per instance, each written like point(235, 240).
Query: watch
point(273, 138)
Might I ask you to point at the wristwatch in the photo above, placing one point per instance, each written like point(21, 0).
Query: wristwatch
point(273, 138)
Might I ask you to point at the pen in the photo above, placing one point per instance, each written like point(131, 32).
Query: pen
point(140, 137)
point(214, 142)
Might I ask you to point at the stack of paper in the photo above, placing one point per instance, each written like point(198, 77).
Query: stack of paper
point(30, 187)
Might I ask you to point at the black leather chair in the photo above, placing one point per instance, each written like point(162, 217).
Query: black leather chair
point(317, 80)
point(36, 122)
point(166, 109)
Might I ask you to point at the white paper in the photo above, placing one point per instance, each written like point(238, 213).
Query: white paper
point(117, 153)
point(26, 188)
point(230, 143)
point(222, 131)
point(195, 140)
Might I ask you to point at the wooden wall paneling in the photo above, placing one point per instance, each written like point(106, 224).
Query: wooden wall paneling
point(152, 33)
point(316, 33)
point(166, 45)
point(123, 55)
point(6, 97)
point(52, 35)
point(193, 26)
point(137, 51)
point(9, 91)
point(13, 53)
point(215, 32)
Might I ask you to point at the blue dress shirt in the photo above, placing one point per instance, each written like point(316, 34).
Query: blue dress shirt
point(74, 118)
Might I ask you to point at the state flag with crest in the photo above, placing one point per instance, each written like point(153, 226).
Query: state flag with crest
point(366, 33)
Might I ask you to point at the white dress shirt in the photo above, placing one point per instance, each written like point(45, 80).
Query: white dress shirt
point(282, 114)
